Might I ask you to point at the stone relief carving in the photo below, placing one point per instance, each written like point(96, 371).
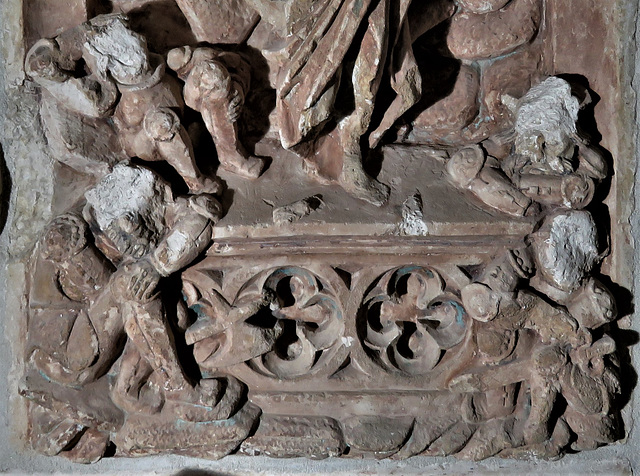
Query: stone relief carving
point(175, 311)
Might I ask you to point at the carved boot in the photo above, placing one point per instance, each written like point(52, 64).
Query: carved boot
point(356, 182)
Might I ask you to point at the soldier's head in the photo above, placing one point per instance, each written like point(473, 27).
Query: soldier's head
point(118, 51)
point(546, 125)
point(592, 305)
point(126, 211)
point(65, 237)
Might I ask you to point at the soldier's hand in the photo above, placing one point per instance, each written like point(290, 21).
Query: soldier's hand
point(137, 280)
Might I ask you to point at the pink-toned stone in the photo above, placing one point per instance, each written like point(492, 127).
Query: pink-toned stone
point(48, 18)
point(219, 22)
point(285, 436)
point(489, 35)
point(341, 329)
point(512, 75)
point(456, 110)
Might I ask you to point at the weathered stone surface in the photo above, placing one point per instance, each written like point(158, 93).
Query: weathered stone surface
point(379, 435)
point(283, 436)
point(46, 19)
point(489, 35)
point(143, 435)
point(453, 112)
point(512, 75)
point(88, 407)
point(309, 309)
point(213, 22)
point(85, 144)
point(567, 248)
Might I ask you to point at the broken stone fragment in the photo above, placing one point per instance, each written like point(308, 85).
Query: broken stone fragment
point(296, 210)
point(412, 218)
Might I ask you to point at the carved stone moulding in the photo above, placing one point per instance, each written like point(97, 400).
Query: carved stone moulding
point(230, 279)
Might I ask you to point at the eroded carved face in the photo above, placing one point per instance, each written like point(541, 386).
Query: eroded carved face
point(502, 275)
point(64, 238)
point(549, 154)
point(465, 165)
point(126, 211)
point(545, 126)
point(130, 236)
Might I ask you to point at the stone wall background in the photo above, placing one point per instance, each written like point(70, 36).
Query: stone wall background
point(610, 61)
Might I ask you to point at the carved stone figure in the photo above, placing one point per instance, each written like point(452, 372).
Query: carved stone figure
point(289, 316)
point(144, 232)
point(549, 164)
point(125, 80)
point(353, 45)
point(216, 83)
point(150, 236)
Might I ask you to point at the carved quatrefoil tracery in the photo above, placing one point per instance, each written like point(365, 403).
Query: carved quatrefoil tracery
point(311, 320)
point(288, 323)
point(284, 323)
point(409, 320)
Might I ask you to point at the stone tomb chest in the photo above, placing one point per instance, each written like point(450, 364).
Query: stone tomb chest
point(328, 228)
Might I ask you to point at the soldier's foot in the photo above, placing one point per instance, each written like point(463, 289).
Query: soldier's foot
point(208, 185)
point(357, 183)
point(311, 168)
point(148, 399)
point(249, 167)
point(209, 400)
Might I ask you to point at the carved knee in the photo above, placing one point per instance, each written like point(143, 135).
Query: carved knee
point(161, 124)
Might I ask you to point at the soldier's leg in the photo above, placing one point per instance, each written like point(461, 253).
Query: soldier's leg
point(135, 372)
point(148, 329)
point(549, 361)
point(220, 117)
point(173, 145)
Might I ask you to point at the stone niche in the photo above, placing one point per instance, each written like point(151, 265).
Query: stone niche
point(356, 228)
